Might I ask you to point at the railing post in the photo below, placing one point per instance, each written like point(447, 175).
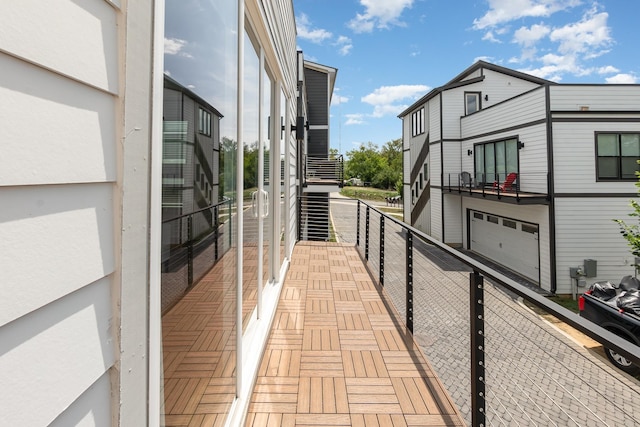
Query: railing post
point(190, 250)
point(476, 298)
point(229, 220)
point(216, 232)
point(366, 236)
point(381, 277)
point(358, 225)
point(299, 218)
point(409, 302)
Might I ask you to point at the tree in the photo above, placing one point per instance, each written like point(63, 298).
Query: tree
point(632, 232)
point(364, 162)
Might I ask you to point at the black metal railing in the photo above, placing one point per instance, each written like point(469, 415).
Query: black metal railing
point(511, 184)
point(191, 244)
point(500, 361)
point(324, 169)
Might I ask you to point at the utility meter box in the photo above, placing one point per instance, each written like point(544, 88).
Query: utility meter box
point(590, 267)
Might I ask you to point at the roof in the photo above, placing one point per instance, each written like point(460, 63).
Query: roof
point(171, 83)
point(459, 80)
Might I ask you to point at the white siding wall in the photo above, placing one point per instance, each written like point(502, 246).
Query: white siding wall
point(520, 110)
point(500, 87)
point(453, 108)
point(436, 213)
point(597, 98)
point(574, 157)
point(453, 215)
point(434, 118)
point(585, 230)
point(535, 214)
point(423, 223)
point(70, 271)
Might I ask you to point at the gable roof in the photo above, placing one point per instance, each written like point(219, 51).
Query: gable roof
point(459, 80)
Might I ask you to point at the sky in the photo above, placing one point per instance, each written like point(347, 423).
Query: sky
point(390, 53)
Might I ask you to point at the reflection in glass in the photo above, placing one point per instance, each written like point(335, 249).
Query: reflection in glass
point(199, 205)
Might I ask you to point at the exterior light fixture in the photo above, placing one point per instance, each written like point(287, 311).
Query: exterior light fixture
point(469, 152)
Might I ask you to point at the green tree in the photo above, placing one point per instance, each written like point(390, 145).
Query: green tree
point(364, 162)
point(631, 232)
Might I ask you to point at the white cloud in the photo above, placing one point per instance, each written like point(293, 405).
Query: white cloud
point(354, 119)
point(379, 14)
point(344, 45)
point(305, 31)
point(490, 37)
point(386, 99)
point(608, 69)
point(622, 78)
point(530, 36)
point(338, 99)
point(586, 36)
point(173, 46)
point(503, 11)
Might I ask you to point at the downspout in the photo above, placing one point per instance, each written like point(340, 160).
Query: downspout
point(551, 187)
point(441, 170)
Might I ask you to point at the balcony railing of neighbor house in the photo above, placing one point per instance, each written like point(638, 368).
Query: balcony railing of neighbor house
point(324, 169)
point(191, 245)
point(532, 187)
point(500, 361)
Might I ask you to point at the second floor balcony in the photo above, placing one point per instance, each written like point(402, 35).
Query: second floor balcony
point(323, 174)
point(512, 187)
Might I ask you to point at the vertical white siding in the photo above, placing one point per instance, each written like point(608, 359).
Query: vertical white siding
point(453, 217)
point(436, 213)
point(585, 230)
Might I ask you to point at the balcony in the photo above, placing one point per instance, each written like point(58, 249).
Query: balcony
point(527, 189)
point(323, 174)
point(385, 326)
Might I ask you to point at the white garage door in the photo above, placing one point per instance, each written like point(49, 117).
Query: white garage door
point(511, 243)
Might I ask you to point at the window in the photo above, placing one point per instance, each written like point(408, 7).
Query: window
point(495, 160)
point(617, 156)
point(204, 122)
point(509, 223)
point(533, 229)
point(478, 215)
point(492, 219)
point(421, 181)
point(471, 102)
point(417, 122)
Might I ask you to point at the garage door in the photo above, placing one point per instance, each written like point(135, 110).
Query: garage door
point(511, 243)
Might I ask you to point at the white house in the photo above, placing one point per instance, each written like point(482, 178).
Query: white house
point(89, 91)
point(571, 150)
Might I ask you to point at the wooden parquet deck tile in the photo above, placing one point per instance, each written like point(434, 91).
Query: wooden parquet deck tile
point(350, 361)
point(337, 355)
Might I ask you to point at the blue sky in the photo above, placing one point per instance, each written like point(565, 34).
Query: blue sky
point(389, 53)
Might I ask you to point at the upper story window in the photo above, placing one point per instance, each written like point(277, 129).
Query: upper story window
point(417, 122)
point(204, 122)
point(471, 102)
point(617, 156)
point(495, 160)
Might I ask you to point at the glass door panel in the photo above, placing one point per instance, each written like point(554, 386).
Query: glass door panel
point(252, 258)
point(199, 247)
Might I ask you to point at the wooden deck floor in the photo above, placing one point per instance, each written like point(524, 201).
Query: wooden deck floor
point(338, 355)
